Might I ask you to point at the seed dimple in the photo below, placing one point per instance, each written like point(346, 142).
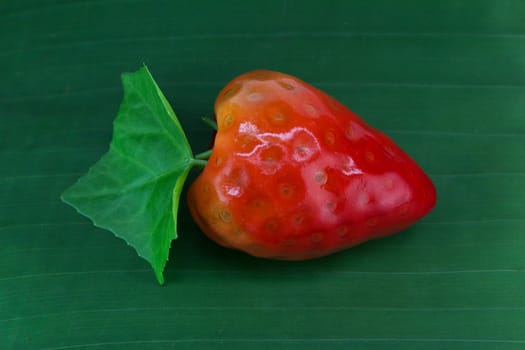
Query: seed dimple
point(286, 86)
point(225, 216)
point(329, 138)
point(305, 146)
point(228, 121)
point(278, 118)
point(389, 152)
point(372, 222)
point(320, 177)
point(342, 230)
point(298, 219)
point(285, 190)
point(370, 156)
point(261, 76)
point(301, 152)
point(246, 142)
point(231, 92)
point(331, 205)
point(312, 112)
point(254, 96)
point(316, 237)
point(270, 158)
point(219, 161)
point(272, 225)
point(258, 206)
point(403, 210)
point(349, 132)
point(334, 105)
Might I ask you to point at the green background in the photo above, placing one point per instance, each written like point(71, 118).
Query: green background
point(445, 79)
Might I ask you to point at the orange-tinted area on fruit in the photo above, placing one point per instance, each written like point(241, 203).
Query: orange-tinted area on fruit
point(294, 174)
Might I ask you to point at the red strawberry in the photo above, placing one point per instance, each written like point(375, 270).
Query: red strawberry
point(295, 175)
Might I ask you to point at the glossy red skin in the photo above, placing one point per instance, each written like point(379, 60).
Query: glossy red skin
point(295, 175)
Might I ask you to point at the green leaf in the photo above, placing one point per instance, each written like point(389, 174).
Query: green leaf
point(134, 189)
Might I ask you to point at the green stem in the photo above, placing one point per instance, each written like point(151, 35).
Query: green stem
point(199, 162)
point(204, 155)
point(210, 122)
